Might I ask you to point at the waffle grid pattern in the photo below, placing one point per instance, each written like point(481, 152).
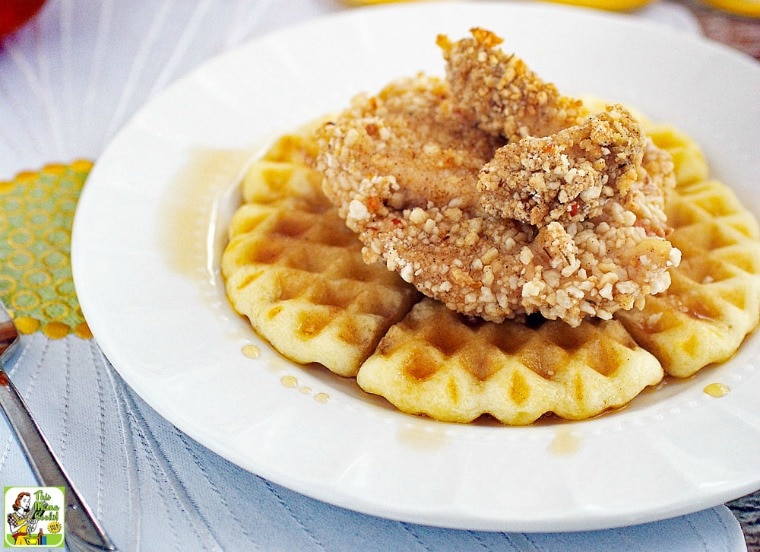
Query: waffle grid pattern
point(714, 299)
point(295, 270)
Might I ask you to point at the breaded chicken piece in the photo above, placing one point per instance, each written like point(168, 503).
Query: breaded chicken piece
point(504, 95)
point(566, 176)
point(415, 206)
point(412, 133)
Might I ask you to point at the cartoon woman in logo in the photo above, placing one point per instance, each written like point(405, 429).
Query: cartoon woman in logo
point(21, 519)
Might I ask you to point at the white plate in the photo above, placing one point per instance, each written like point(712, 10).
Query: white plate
point(152, 219)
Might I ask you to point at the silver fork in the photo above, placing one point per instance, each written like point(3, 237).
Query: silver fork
point(82, 530)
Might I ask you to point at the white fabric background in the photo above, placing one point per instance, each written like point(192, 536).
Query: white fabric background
point(68, 82)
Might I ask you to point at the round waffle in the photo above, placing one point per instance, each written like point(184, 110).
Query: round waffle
point(295, 270)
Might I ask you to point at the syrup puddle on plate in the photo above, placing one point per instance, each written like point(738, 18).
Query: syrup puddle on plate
point(251, 351)
point(565, 443)
point(422, 436)
point(198, 206)
point(717, 390)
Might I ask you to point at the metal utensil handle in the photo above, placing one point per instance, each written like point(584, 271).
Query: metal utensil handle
point(80, 522)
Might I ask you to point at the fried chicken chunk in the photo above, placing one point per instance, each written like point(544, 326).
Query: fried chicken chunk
point(567, 176)
point(569, 225)
point(410, 131)
point(504, 95)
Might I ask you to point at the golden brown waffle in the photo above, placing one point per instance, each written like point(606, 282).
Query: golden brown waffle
point(295, 270)
point(714, 299)
point(451, 368)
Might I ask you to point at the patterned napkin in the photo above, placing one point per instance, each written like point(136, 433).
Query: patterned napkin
point(36, 284)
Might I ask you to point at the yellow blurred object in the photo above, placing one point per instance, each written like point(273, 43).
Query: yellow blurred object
point(370, 2)
point(747, 8)
point(612, 5)
point(609, 5)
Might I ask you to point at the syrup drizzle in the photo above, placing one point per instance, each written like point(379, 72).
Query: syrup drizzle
point(291, 382)
point(565, 443)
point(717, 390)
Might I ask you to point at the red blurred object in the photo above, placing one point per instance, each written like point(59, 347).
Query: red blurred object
point(14, 13)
